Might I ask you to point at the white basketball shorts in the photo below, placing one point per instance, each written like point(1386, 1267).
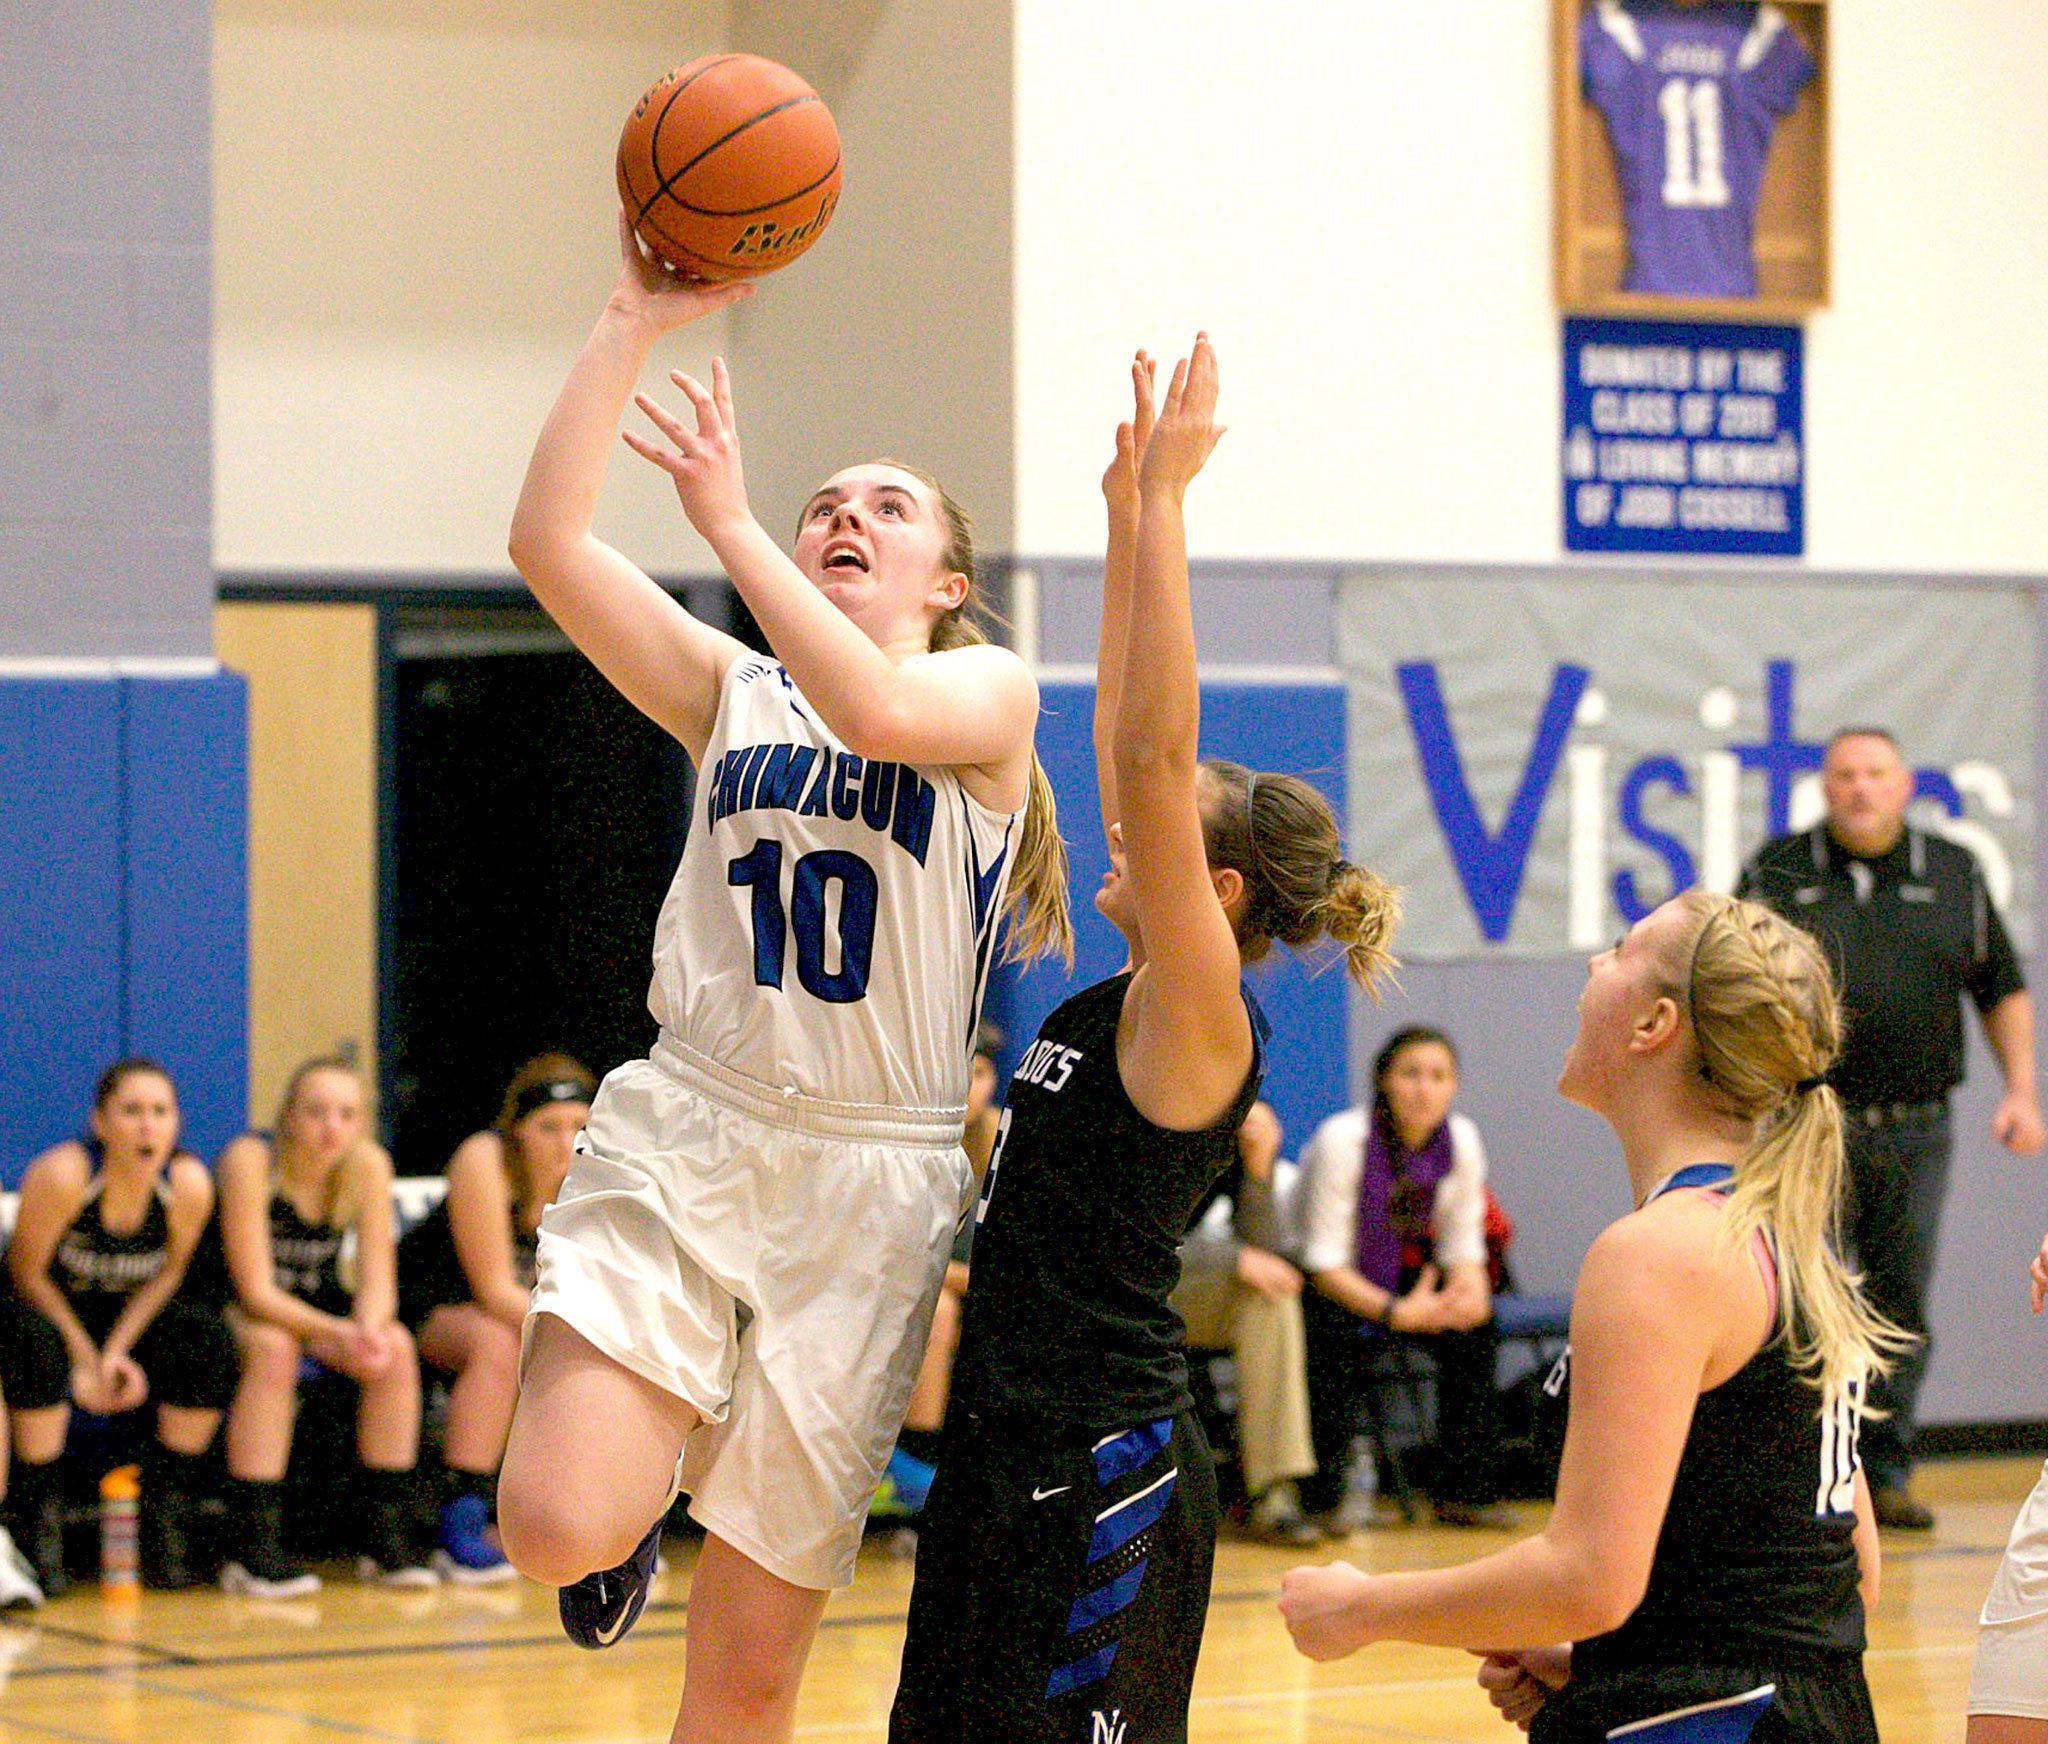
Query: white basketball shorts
point(773, 1260)
point(2010, 1674)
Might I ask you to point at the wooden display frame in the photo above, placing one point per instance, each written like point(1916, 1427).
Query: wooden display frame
point(1792, 208)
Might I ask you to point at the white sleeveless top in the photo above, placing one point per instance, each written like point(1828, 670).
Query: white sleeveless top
point(831, 926)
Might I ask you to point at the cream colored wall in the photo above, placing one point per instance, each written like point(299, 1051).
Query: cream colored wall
point(312, 672)
point(413, 232)
point(894, 335)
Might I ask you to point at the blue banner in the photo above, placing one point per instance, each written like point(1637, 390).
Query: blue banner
point(1684, 436)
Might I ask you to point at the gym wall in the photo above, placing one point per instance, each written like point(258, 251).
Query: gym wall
point(410, 222)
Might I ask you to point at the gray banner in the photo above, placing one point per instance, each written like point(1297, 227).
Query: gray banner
point(1540, 761)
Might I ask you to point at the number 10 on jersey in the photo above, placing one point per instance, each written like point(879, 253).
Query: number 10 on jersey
point(815, 875)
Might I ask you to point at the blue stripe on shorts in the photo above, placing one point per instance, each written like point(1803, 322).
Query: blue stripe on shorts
point(1073, 1676)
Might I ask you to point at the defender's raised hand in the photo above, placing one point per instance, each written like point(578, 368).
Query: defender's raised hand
point(1186, 432)
point(1120, 481)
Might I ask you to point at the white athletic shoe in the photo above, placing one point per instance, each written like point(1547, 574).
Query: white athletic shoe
point(410, 1574)
point(296, 1583)
point(18, 1587)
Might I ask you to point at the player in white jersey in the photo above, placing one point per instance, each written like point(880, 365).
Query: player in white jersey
point(743, 1260)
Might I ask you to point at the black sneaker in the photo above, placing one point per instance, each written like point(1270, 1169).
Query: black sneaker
point(599, 1609)
point(1897, 1509)
point(45, 1547)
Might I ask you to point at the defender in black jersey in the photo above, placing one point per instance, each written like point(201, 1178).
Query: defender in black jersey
point(1064, 1557)
point(1712, 1547)
point(96, 1312)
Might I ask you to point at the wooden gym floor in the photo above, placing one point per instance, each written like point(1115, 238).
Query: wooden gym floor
point(461, 1667)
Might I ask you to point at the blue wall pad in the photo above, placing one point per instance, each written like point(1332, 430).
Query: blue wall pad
point(186, 982)
point(61, 898)
point(1295, 728)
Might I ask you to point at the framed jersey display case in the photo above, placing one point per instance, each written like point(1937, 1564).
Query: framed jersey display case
point(1692, 161)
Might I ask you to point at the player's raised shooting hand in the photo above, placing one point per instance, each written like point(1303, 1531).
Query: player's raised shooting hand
point(661, 296)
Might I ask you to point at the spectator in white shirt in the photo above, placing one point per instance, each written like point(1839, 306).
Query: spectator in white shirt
point(1394, 1242)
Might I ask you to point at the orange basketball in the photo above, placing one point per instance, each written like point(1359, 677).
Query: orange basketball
point(729, 167)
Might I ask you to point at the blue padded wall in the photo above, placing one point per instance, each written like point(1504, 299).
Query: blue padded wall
point(186, 980)
point(61, 901)
point(1295, 728)
point(123, 899)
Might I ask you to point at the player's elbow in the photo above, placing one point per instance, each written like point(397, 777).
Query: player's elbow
point(1139, 757)
point(1603, 1598)
point(531, 549)
point(877, 729)
point(1594, 1584)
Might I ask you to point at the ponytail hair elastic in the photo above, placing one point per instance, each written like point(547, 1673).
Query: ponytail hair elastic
point(1807, 1086)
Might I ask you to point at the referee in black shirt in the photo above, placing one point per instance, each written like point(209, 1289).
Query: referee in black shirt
point(1910, 929)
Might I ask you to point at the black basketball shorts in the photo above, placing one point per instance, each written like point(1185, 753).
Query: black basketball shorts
point(1062, 1586)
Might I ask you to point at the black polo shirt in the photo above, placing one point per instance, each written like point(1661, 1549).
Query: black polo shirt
point(1909, 932)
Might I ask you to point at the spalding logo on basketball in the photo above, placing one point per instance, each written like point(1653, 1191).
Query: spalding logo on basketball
point(729, 167)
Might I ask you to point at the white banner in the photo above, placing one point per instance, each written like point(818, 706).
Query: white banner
point(1540, 762)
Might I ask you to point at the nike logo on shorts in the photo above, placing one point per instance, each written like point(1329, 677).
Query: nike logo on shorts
point(1038, 1495)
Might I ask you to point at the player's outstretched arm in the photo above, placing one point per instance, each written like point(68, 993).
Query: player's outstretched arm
point(973, 706)
point(1644, 1325)
point(1119, 567)
point(663, 661)
point(1187, 1042)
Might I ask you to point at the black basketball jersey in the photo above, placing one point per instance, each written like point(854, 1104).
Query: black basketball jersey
point(1080, 1223)
point(97, 1267)
point(1756, 1562)
point(306, 1258)
point(430, 1272)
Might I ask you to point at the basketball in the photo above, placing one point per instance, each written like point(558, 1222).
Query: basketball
point(729, 167)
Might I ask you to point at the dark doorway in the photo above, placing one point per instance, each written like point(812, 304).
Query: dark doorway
point(537, 821)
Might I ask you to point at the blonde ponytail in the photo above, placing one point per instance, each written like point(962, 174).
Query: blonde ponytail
point(1279, 833)
point(1360, 910)
point(1767, 1026)
point(1035, 911)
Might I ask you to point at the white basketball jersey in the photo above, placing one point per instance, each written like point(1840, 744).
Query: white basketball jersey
point(831, 926)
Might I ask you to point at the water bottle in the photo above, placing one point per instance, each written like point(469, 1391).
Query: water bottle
point(120, 1549)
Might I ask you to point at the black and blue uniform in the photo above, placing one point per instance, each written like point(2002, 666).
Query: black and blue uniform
point(1754, 1581)
point(1064, 1557)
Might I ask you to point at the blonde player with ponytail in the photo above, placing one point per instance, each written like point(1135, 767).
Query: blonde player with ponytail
point(1712, 1544)
point(1064, 1555)
point(742, 1262)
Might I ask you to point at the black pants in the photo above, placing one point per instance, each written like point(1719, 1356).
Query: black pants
point(1341, 1352)
point(1898, 1179)
point(186, 1352)
point(1062, 1586)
